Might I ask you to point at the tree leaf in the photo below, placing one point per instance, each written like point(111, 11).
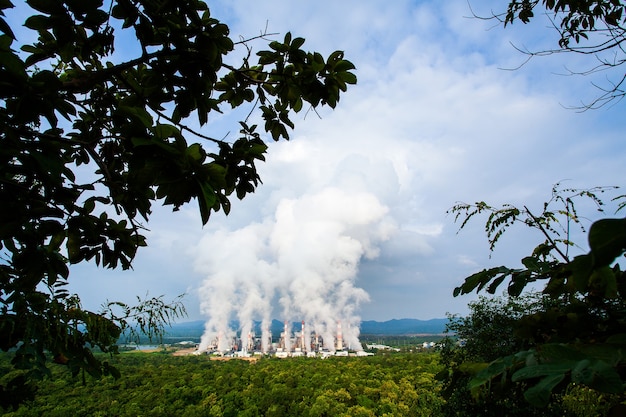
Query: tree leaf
point(206, 200)
point(344, 65)
point(580, 268)
point(536, 371)
point(539, 394)
point(607, 240)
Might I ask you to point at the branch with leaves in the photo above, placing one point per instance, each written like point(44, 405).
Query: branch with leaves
point(67, 101)
point(596, 28)
point(580, 337)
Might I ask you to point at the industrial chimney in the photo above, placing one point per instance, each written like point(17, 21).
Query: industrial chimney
point(287, 338)
point(339, 337)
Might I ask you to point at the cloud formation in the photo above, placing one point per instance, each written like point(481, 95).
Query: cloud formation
point(351, 218)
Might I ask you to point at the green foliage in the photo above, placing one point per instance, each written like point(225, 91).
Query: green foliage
point(578, 17)
point(579, 337)
point(554, 224)
point(491, 341)
point(487, 333)
point(157, 385)
point(148, 318)
point(89, 142)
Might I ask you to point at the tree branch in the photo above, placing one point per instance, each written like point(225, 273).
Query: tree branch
point(546, 234)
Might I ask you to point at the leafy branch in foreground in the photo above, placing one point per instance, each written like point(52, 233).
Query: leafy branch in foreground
point(553, 223)
point(580, 338)
point(487, 333)
point(149, 317)
point(90, 140)
point(596, 28)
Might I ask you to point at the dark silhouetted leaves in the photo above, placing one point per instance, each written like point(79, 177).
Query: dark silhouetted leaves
point(67, 102)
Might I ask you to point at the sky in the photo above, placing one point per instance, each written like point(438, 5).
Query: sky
point(351, 219)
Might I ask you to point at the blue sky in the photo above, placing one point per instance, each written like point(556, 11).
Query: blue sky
point(351, 218)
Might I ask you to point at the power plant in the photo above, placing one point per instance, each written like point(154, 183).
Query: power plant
point(305, 342)
point(301, 263)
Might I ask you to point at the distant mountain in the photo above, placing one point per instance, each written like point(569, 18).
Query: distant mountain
point(194, 329)
point(404, 327)
point(190, 329)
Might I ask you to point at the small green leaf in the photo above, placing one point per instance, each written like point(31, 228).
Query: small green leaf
point(602, 282)
point(6, 29)
point(480, 279)
point(347, 77)
point(541, 370)
point(539, 395)
point(531, 262)
point(73, 248)
point(206, 200)
point(46, 6)
point(196, 152)
point(560, 352)
point(581, 268)
point(297, 105)
point(335, 57)
point(38, 22)
point(604, 378)
point(344, 65)
point(297, 43)
point(607, 240)
point(163, 131)
point(138, 113)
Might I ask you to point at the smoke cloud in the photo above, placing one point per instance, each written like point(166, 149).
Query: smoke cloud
point(300, 264)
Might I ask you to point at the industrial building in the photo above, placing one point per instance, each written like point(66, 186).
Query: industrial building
point(303, 343)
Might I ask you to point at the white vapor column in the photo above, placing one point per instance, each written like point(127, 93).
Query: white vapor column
point(306, 258)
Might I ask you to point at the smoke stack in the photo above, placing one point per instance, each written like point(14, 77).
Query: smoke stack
point(221, 343)
point(339, 337)
point(287, 338)
point(266, 339)
point(302, 342)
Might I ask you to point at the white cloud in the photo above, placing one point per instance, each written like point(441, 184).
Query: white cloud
point(431, 122)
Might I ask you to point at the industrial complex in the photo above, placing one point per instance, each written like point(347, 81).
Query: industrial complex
point(305, 342)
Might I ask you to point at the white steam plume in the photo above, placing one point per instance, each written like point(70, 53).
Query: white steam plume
point(307, 257)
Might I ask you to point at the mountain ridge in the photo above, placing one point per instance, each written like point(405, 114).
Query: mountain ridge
point(393, 327)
